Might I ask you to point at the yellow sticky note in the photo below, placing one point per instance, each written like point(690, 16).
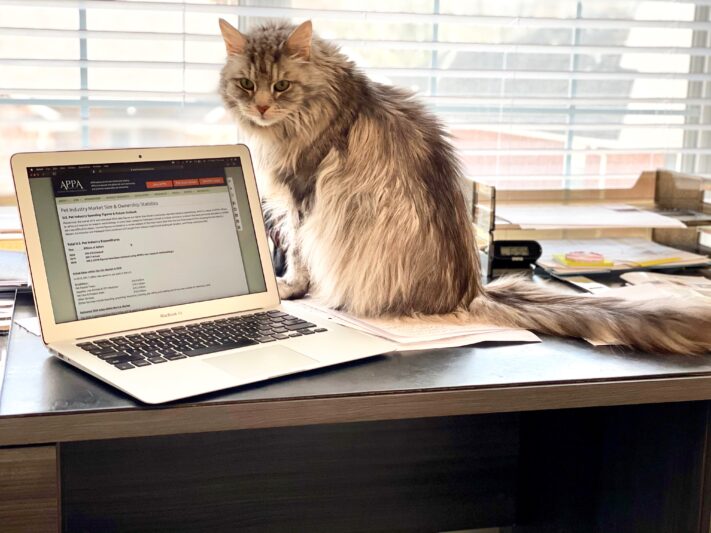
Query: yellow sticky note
point(560, 258)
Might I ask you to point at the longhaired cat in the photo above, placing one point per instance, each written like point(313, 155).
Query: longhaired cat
point(364, 183)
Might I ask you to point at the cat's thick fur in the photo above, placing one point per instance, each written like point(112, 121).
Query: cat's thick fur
point(365, 185)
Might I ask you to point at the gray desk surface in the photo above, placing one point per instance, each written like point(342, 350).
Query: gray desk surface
point(475, 379)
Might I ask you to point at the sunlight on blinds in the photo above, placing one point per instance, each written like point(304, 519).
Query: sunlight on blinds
point(536, 94)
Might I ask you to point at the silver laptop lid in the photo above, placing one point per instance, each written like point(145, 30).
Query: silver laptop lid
point(150, 238)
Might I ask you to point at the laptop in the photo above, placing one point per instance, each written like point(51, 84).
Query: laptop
point(151, 271)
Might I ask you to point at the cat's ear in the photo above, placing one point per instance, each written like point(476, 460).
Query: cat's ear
point(235, 42)
point(299, 42)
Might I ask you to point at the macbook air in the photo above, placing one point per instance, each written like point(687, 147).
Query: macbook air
point(151, 271)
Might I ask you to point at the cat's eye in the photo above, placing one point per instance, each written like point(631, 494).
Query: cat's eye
point(246, 84)
point(281, 85)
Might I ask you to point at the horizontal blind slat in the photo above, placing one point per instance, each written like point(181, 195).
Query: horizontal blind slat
point(536, 74)
point(490, 127)
point(505, 101)
point(446, 114)
point(581, 151)
point(509, 48)
point(514, 126)
point(505, 128)
point(177, 5)
point(560, 101)
point(371, 16)
point(547, 177)
point(385, 71)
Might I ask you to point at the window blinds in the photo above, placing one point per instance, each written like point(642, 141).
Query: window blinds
point(537, 94)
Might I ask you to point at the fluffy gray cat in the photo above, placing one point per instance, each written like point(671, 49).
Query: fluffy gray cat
point(364, 183)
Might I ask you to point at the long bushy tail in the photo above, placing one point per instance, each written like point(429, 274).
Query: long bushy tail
point(658, 326)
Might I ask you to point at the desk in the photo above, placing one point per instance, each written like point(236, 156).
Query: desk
point(556, 436)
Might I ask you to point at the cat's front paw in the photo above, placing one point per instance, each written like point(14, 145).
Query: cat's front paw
point(290, 291)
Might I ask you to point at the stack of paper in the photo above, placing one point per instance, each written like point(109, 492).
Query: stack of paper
point(10, 229)
point(13, 270)
point(9, 220)
point(582, 216)
point(697, 284)
point(625, 254)
point(438, 331)
point(7, 303)
point(705, 237)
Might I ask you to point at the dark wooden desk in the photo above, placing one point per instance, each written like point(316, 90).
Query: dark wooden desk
point(557, 436)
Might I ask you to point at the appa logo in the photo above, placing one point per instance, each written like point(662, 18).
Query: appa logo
point(70, 185)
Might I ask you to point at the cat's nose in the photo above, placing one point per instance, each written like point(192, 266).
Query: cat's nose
point(262, 108)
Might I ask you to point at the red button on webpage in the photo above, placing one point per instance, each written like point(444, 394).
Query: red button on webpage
point(163, 184)
point(186, 183)
point(212, 181)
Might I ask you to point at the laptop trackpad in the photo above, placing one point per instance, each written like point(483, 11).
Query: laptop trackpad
point(261, 363)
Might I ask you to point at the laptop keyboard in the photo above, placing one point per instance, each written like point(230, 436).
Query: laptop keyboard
point(181, 342)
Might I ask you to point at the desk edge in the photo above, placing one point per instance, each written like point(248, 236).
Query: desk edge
point(210, 417)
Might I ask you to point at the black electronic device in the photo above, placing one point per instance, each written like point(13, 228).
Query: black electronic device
point(515, 254)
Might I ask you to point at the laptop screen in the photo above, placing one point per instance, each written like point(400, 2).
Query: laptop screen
point(124, 237)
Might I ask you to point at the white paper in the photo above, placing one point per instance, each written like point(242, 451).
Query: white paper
point(698, 284)
point(542, 216)
point(503, 335)
point(14, 271)
point(625, 254)
point(655, 291)
point(441, 331)
point(30, 324)
point(10, 220)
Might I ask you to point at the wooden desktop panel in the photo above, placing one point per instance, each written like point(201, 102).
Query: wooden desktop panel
point(625, 469)
point(29, 489)
point(439, 474)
